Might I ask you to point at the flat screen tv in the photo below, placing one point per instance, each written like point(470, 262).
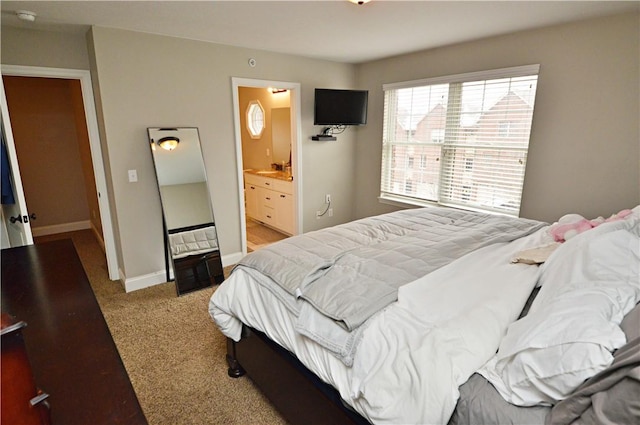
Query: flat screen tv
point(334, 107)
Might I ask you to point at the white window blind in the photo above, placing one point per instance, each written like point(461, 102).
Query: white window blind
point(470, 133)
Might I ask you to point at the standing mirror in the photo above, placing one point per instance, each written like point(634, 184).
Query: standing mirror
point(191, 241)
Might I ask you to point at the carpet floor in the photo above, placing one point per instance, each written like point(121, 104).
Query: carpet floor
point(172, 350)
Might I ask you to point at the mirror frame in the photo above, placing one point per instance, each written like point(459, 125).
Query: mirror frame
point(195, 265)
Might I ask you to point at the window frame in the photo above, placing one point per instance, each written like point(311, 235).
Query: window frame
point(255, 126)
point(386, 196)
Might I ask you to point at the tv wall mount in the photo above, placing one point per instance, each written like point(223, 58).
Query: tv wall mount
point(327, 134)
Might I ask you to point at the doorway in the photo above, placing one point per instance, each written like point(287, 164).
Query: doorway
point(82, 122)
point(52, 146)
point(274, 104)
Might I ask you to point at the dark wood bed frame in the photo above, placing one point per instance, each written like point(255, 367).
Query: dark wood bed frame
point(298, 394)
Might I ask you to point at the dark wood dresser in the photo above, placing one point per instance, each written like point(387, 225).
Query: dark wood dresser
point(72, 354)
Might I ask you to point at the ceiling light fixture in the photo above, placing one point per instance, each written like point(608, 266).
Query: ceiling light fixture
point(168, 143)
point(359, 2)
point(26, 15)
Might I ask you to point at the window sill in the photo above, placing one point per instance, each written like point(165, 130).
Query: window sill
point(401, 202)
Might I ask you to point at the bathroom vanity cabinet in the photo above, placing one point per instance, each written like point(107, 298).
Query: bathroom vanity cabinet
point(269, 200)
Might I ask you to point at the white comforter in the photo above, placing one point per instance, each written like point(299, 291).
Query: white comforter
point(417, 351)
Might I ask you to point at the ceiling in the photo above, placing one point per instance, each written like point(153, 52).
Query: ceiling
point(332, 29)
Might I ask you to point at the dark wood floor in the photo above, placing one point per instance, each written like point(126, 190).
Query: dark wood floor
point(59, 236)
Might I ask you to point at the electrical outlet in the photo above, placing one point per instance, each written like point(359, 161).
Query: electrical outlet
point(327, 199)
point(330, 212)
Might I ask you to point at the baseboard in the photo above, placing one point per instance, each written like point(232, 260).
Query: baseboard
point(60, 228)
point(231, 259)
point(98, 236)
point(143, 281)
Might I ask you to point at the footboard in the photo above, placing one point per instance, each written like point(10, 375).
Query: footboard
point(299, 395)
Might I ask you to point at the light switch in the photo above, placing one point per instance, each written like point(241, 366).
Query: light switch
point(133, 176)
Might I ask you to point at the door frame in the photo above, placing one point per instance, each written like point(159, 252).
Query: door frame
point(91, 119)
point(296, 151)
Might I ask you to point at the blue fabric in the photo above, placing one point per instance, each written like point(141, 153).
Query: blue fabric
point(5, 175)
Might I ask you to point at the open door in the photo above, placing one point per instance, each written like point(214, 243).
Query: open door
point(15, 217)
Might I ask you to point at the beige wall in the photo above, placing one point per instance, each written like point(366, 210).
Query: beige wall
point(44, 48)
point(584, 154)
point(146, 80)
point(142, 80)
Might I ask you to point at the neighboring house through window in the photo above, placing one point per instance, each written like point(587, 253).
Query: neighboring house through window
point(471, 134)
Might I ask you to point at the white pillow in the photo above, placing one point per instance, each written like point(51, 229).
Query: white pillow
point(543, 361)
point(590, 283)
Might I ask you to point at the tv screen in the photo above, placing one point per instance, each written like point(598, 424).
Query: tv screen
point(340, 107)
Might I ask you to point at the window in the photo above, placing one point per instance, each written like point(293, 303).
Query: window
point(423, 161)
point(504, 128)
point(468, 164)
point(471, 132)
point(255, 119)
point(408, 186)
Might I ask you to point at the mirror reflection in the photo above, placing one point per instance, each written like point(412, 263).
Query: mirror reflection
point(191, 241)
point(281, 135)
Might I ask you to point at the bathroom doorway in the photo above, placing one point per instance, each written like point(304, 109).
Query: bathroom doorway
point(271, 151)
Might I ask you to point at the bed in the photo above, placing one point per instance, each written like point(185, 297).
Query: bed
point(407, 317)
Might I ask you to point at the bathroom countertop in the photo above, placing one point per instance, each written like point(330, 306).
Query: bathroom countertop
point(280, 175)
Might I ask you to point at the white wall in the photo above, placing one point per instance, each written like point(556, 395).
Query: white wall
point(584, 154)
